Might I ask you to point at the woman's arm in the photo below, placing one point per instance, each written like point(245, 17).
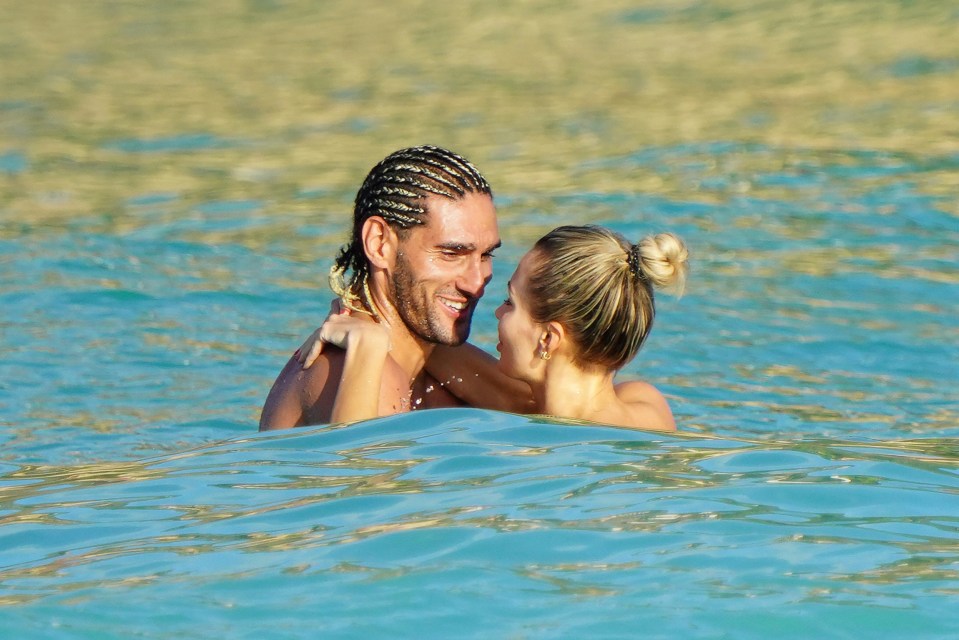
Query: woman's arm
point(467, 372)
point(472, 375)
point(367, 346)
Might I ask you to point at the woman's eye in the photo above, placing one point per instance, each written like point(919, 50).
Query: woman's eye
point(507, 301)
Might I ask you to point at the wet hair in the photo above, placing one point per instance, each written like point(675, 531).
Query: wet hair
point(600, 288)
point(396, 189)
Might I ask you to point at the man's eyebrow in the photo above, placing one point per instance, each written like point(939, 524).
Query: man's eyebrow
point(461, 247)
point(493, 248)
point(465, 247)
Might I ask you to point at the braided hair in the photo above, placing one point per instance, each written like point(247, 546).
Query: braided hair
point(396, 190)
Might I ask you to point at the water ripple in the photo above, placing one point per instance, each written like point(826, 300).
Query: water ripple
point(563, 513)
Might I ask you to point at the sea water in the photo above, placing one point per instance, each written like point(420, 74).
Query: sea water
point(174, 185)
point(811, 490)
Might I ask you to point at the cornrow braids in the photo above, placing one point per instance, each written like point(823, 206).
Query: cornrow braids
point(396, 190)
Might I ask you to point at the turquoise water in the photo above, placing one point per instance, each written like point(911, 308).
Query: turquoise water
point(812, 490)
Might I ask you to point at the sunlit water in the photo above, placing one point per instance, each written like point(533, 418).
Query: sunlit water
point(812, 490)
point(153, 284)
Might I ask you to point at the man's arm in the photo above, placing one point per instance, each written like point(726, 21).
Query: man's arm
point(472, 375)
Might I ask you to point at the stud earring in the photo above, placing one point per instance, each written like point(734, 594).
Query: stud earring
point(545, 355)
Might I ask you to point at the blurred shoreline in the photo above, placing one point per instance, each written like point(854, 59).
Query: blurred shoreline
point(105, 103)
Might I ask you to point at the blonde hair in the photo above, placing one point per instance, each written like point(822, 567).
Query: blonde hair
point(600, 288)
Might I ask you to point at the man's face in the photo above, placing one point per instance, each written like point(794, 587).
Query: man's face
point(443, 267)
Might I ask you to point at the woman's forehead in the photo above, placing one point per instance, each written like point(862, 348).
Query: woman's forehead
point(521, 274)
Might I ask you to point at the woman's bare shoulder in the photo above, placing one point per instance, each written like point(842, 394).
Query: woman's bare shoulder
point(638, 391)
point(647, 405)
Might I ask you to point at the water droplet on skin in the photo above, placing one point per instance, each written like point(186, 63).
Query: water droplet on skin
point(429, 389)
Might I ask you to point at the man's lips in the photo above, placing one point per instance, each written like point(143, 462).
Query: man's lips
point(456, 308)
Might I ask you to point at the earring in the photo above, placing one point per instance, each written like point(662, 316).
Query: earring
point(545, 355)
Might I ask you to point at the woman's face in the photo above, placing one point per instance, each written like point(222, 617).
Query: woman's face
point(519, 335)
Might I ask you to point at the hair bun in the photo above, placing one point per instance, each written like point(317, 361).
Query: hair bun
point(664, 261)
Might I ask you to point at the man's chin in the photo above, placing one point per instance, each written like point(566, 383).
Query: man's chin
point(455, 340)
point(453, 337)
point(459, 332)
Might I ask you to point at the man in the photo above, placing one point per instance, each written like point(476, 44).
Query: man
point(420, 257)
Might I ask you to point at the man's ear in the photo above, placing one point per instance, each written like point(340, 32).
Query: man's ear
point(379, 242)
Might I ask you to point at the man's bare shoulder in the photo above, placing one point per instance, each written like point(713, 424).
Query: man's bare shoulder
point(303, 396)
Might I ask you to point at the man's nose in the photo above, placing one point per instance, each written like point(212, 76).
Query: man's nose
point(476, 276)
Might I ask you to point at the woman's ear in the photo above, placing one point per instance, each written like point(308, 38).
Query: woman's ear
point(379, 242)
point(553, 337)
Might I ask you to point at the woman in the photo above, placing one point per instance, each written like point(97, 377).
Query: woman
point(579, 307)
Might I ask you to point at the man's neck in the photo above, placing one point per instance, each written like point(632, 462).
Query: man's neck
point(408, 350)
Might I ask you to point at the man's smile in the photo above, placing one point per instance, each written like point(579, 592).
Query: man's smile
point(456, 306)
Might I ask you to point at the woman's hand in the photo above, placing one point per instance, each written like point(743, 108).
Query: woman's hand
point(348, 332)
point(311, 349)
